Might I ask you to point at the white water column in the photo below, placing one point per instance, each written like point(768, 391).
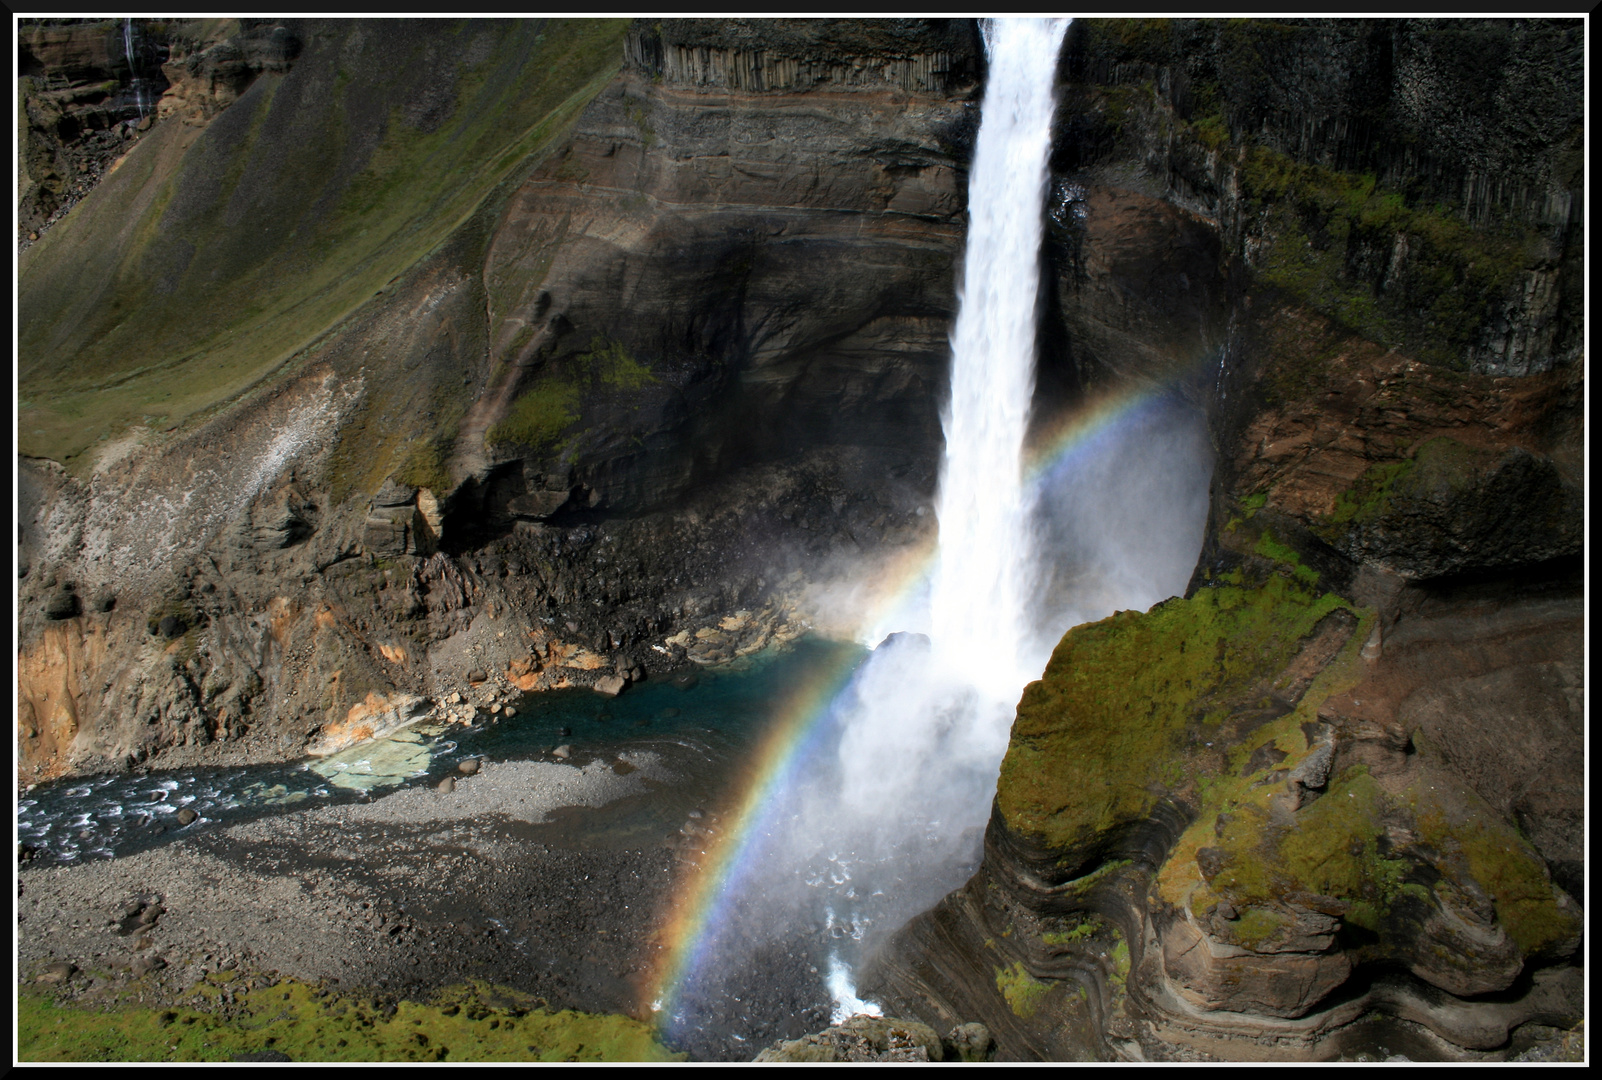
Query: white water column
point(980, 592)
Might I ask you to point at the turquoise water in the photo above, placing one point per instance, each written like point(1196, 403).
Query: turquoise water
point(698, 724)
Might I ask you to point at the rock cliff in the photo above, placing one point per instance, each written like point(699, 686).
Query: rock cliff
point(1332, 799)
point(443, 349)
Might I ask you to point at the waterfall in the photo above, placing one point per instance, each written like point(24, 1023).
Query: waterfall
point(873, 800)
point(980, 591)
point(134, 81)
point(923, 730)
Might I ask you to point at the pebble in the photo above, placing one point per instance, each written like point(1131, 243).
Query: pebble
point(187, 816)
point(563, 751)
point(467, 766)
point(446, 786)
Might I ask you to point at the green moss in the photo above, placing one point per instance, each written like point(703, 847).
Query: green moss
point(1213, 131)
point(1093, 736)
point(1269, 548)
point(1244, 800)
point(1441, 465)
point(1326, 226)
point(1022, 990)
point(545, 412)
point(1503, 864)
point(614, 366)
point(1069, 937)
point(467, 1024)
point(1257, 925)
point(1332, 849)
point(425, 466)
point(1255, 502)
point(1120, 963)
point(1370, 494)
point(539, 416)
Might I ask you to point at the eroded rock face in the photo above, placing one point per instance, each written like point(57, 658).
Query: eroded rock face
point(684, 362)
point(1248, 817)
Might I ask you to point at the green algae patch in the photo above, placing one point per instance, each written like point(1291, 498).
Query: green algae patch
point(1095, 735)
point(307, 1023)
point(1022, 990)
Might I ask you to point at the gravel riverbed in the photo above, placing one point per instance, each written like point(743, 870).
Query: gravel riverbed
point(401, 895)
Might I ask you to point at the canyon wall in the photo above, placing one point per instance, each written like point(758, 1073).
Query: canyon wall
point(396, 360)
point(1332, 799)
point(445, 350)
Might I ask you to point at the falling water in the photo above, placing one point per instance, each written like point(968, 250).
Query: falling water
point(886, 790)
point(980, 589)
point(133, 70)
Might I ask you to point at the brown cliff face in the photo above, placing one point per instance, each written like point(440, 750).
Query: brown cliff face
point(1344, 775)
point(689, 346)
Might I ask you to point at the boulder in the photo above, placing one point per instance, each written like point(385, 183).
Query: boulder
point(969, 1042)
point(58, 972)
point(395, 494)
point(610, 685)
point(145, 964)
point(537, 505)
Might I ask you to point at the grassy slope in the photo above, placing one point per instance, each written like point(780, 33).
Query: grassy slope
point(308, 1023)
point(204, 263)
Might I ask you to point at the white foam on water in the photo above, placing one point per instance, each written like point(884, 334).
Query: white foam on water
point(844, 993)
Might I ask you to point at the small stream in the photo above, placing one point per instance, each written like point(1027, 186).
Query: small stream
point(696, 724)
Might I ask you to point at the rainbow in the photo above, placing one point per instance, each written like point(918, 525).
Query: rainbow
point(1078, 433)
point(706, 894)
point(709, 889)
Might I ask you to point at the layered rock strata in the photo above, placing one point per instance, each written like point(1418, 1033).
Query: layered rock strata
point(1332, 798)
point(626, 382)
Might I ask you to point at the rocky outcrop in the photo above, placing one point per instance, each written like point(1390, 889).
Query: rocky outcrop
point(1238, 824)
point(863, 1038)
